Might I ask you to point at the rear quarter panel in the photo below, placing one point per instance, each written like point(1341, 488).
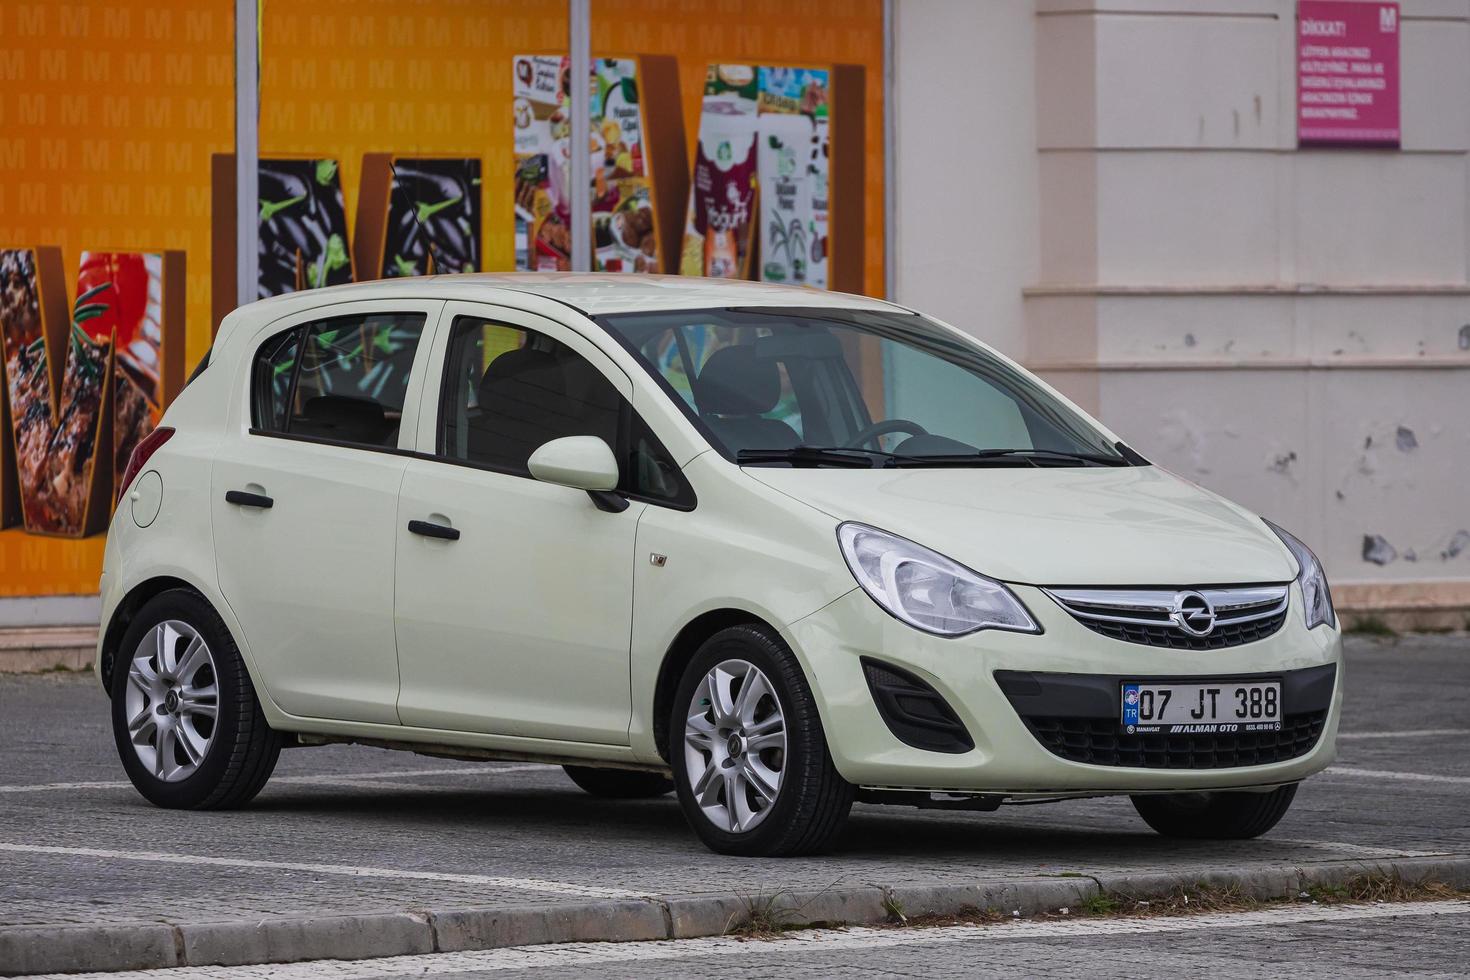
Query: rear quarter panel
point(179, 543)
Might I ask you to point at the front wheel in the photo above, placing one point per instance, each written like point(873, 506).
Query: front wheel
point(750, 759)
point(184, 713)
point(1215, 816)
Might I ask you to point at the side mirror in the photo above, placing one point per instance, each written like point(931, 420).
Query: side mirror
point(580, 462)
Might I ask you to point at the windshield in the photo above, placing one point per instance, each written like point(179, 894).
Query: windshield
point(769, 385)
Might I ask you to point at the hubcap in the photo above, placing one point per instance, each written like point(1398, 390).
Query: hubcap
point(172, 700)
point(735, 746)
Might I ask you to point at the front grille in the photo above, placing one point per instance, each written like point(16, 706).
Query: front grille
point(1210, 618)
point(1102, 742)
point(1228, 635)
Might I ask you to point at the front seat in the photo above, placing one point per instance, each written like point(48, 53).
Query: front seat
point(523, 405)
point(736, 390)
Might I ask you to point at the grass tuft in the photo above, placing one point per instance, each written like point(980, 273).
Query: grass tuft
point(1370, 625)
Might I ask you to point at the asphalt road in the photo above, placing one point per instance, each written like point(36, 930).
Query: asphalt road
point(345, 829)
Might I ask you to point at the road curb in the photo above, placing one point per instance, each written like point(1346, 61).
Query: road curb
point(286, 939)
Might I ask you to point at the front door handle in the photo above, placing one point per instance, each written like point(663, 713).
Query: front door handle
point(431, 530)
point(244, 498)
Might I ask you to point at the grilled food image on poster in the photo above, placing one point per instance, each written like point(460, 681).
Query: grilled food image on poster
point(434, 207)
point(120, 296)
point(722, 194)
point(622, 203)
point(303, 227)
point(54, 448)
point(793, 174)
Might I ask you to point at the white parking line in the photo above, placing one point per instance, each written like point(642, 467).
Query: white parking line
point(576, 955)
point(1365, 850)
point(1413, 777)
point(347, 870)
point(1419, 733)
point(334, 778)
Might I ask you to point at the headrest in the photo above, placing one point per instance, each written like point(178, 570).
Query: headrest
point(524, 366)
point(343, 411)
point(518, 362)
point(735, 381)
point(344, 417)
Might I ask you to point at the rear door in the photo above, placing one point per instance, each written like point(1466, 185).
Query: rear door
point(304, 502)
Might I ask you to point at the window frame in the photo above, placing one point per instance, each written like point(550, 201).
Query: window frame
point(685, 498)
point(301, 321)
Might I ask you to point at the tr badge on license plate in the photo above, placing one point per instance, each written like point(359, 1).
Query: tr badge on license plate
point(1211, 706)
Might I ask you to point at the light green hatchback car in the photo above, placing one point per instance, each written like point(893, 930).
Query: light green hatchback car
point(772, 549)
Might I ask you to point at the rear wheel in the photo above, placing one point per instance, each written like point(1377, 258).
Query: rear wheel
point(620, 784)
point(184, 713)
point(1215, 816)
point(750, 759)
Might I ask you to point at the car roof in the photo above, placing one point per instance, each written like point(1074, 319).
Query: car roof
point(591, 293)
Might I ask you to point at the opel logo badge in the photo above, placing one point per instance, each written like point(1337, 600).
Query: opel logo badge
point(1193, 614)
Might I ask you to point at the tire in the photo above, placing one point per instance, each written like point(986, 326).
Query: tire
point(238, 750)
point(811, 800)
point(1215, 816)
point(620, 784)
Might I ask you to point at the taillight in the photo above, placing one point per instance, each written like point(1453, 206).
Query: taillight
point(139, 459)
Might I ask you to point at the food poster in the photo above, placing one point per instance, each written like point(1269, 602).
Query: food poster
point(119, 306)
point(120, 296)
point(722, 193)
point(793, 173)
point(623, 233)
point(303, 227)
point(433, 211)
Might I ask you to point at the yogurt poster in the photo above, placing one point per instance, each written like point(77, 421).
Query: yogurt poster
point(760, 176)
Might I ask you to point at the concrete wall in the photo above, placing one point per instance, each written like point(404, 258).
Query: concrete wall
point(966, 231)
point(1289, 327)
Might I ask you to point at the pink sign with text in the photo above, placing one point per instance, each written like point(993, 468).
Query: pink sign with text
point(1347, 73)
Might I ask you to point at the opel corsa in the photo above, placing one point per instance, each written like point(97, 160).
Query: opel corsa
point(773, 549)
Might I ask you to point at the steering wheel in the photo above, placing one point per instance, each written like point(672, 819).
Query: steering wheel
point(883, 428)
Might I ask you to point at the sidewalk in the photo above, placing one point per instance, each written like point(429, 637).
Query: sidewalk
point(29, 650)
point(285, 939)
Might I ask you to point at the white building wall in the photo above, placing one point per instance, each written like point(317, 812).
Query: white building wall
point(965, 236)
point(1289, 327)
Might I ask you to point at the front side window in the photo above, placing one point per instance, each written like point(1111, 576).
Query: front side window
point(508, 391)
point(343, 379)
point(886, 388)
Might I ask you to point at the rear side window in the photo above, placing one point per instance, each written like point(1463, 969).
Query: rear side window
point(341, 380)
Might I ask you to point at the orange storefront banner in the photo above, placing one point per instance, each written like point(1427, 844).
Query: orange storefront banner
point(112, 112)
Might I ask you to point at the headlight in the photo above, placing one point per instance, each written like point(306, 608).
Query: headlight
point(927, 590)
point(1315, 593)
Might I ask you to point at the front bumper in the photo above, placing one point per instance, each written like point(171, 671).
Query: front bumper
point(1009, 757)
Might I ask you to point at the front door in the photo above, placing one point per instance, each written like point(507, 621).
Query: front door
point(304, 501)
point(514, 597)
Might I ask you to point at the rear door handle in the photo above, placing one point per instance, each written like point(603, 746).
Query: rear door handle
point(431, 530)
point(244, 498)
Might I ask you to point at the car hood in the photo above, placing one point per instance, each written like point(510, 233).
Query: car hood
point(1130, 525)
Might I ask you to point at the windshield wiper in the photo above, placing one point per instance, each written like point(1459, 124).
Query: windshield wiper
point(812, 456)
point(853, 457)
point(1033, 457)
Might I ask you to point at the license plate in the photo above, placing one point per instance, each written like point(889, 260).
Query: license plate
point(1212, 706)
